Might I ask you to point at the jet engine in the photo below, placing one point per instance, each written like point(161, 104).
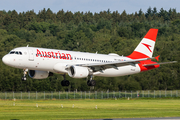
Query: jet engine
point(36, 74)
point(78, 72)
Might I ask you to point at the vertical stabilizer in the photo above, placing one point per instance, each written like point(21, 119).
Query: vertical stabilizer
point(146, 46)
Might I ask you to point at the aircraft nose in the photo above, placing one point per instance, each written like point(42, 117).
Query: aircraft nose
point(6, 59)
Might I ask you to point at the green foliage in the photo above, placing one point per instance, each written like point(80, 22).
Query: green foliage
point(105, 32)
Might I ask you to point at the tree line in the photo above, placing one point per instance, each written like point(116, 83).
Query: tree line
point(105, 32)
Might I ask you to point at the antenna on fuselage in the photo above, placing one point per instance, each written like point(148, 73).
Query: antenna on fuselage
point(96, 52)
point(28, 45)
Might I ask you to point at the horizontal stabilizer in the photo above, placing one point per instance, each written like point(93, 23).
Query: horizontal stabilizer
point(147, 65)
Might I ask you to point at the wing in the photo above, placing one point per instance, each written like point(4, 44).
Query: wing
point(115, 65)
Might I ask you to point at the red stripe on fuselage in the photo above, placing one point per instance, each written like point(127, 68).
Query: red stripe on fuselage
point(138, 55)
point(143, 68)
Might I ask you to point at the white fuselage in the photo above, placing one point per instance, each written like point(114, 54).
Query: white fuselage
point(52, 60)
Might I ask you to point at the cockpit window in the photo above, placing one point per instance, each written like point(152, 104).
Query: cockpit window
point(16, 52)
point(12, 52)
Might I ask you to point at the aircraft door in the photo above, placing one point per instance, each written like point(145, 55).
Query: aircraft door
point(31, 55)
point(133, 69)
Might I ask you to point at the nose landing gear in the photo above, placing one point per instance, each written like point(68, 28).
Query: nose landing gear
point(25, 73)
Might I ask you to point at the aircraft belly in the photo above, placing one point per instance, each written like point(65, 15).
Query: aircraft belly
point(125, 70)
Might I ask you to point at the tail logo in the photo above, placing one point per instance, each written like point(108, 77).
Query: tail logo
point(148, 46)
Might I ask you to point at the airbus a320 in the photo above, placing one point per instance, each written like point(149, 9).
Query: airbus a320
point(41, 63)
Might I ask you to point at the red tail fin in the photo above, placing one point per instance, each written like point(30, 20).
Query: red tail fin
point(146, 46)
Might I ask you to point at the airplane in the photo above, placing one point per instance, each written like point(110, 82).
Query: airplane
point(41, 63)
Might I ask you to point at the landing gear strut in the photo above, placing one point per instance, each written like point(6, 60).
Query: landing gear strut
point(91, 82)
point(25, 73)
point(64, 82)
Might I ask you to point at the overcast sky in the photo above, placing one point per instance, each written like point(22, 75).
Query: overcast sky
point(131, 6)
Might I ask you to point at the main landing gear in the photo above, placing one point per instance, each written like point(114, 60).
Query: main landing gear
point(91, 82)
point(64, 82)
point(25, 73)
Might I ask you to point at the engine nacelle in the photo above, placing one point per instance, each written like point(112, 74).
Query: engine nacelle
point(36, 74)
point(78, 72)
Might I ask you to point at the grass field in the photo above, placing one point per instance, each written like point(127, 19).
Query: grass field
point(86, 109)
